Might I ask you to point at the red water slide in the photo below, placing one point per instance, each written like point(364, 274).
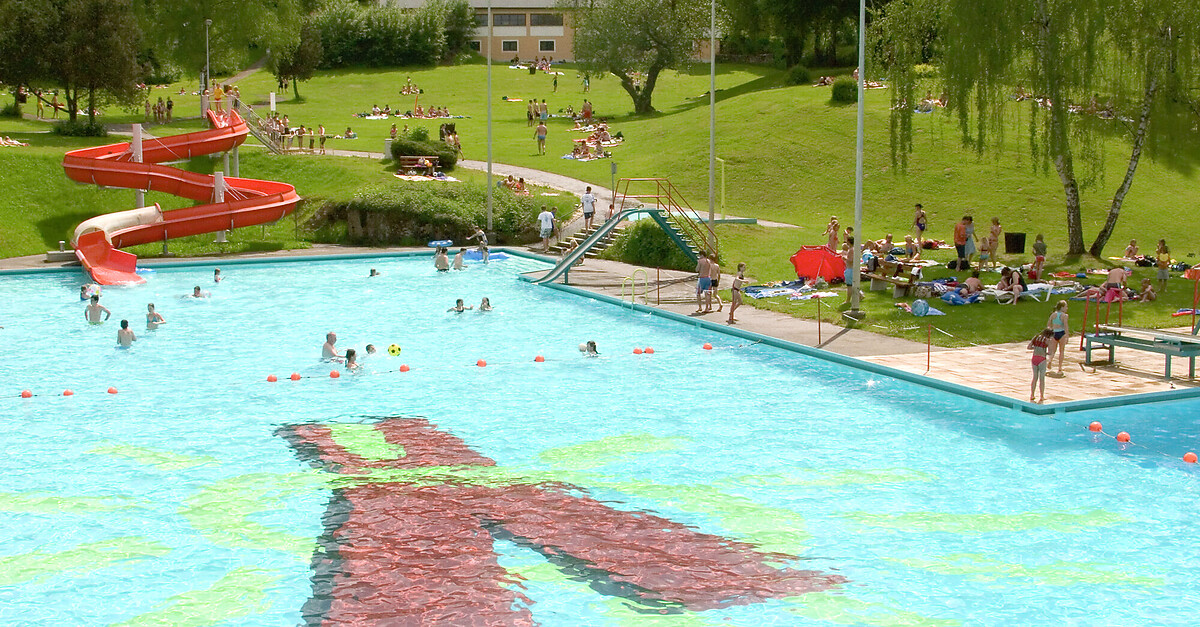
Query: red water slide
point(246, 201)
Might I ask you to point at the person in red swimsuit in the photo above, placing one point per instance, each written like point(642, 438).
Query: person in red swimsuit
point(1040, 345)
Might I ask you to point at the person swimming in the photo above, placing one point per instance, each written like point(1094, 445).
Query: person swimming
point(485, 304)
point(153, 318)
point(217, 275)
point(199, 293)
point(458, 307)
point(370, 349)
point(329, 348)
point(374, 272)
point(125, 336)
point(352, 360)
point(92, 312)
point(589, 349)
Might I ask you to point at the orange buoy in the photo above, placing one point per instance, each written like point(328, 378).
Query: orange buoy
point(481, 363)
point(68, 393)
point(333, 374)
point(112, 390)
point(707, 346)
point(648, 351)
point(1095, 427)
point(1122, 437)
point(295, 376)
point(539, 359)
point(403, 367)
point(1189, 458)
point(26, 394)
point(272, 378)
point(637, 351)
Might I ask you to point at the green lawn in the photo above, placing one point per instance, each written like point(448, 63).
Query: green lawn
point(790, 158)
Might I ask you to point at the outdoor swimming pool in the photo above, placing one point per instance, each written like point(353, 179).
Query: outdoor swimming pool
point(683, 487)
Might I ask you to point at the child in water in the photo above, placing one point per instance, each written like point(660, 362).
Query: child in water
point(485, 304)
point(351, 360)
point(458, 307)
point(589, 349)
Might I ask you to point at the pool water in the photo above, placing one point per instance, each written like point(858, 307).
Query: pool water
point(744, 485)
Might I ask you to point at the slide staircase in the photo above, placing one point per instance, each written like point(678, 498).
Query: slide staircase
point(244, 202)
point(665, 205)
point(258, 128)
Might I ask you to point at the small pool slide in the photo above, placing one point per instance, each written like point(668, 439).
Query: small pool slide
point(246, 202)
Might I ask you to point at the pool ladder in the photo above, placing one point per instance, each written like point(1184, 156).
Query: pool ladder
point(631, 281)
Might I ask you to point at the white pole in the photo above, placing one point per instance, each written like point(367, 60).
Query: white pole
point(234, 163)
point(712, 115)
point(489, 117)
point(856, 250)
point(204, 88)
point(218, 187)
point(138, 195)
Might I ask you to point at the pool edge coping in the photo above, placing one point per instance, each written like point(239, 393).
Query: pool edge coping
point(991, 398)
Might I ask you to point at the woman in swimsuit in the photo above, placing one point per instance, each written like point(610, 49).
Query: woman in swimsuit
point(919, 224)
point(153, 318)
point(1061, 329)
point(1039, 345)
point(735, 298)
point(831, 231)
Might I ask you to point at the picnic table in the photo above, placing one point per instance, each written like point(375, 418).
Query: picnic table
point(1167, 343)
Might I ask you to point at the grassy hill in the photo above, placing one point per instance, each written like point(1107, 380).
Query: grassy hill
point(790, 157)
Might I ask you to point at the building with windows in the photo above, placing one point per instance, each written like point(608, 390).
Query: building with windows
point(520, 28)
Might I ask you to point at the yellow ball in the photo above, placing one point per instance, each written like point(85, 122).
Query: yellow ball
point(394, 350)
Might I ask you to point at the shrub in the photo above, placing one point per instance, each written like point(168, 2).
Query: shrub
point(419, 134)
point(11, 110)
point(798, 75)
point(164, 75)
point(415, 213)
point(447, 158)
point(925, 70)
point(79, 128)
point(845, 91)
point(382, 35)
point(644, 243)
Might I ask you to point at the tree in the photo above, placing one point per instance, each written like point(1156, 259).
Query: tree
point(635, 40)
point(176, 29)
point(1091, 55)
point(96, 52)
point(25, 28)
point(299, 63)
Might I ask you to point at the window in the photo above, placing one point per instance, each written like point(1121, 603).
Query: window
point(546, 19)
point(476, 45)
point(509, 45)
point(513, 19)
point(481, 19)
point(546, 45)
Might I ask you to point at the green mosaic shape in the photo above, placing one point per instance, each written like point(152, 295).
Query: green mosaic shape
point(935, 522)
point(608, 450)
point(49, 503)
point(240, 593)
point(843, 610)
point(365, 441)
point(221, 512)
point(165, 460)
point(85, 558)
point(977, 567)
point(831, 479)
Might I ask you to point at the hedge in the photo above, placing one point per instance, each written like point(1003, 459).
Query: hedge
point(447, 157)
point(644, 243)
point(415, 213)
point(845, 91)
point(384, 35)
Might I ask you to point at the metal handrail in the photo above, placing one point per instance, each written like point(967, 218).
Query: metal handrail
point(674, 205)
point(632, 281)
point(258, 129)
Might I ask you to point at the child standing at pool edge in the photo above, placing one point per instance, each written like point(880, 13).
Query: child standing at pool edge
point(1039, 345)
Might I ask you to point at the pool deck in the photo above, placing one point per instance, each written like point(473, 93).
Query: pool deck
point(1001, 369)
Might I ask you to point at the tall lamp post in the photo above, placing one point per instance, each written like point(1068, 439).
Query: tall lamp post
point(712, 115)
point(489, 117)
point(207, 70)
point(856, 250)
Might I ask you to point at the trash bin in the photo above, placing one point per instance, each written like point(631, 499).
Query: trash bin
point(387, 148)
point(1014, 243)
point(532, 70)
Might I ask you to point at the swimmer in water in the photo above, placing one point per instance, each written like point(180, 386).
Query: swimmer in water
point(374, 272)
point(217, 275)
point(440, 261)
point(125, 336)
point(370, 349)
point(589, 349)
point(199, 293)
point(351, 360)
point(92, 312)
point(85, 290)
point(153, 318)
point(458, 307)
point(329, 349)
point(485, 304)
point(458, 258)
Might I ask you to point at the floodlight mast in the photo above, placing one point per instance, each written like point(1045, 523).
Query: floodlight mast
point(489, 117)
point(856, 249)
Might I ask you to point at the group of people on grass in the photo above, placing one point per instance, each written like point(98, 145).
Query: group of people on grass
point(161, 112)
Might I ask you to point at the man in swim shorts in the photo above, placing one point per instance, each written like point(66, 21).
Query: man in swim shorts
point(329, 349)
point(589, 207)
point(546, 227)
point(92, 312)
point(125, 336)
point(703, 283)
point(199, 293)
